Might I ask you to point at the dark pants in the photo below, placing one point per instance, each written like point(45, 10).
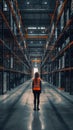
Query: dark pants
point(36, 98)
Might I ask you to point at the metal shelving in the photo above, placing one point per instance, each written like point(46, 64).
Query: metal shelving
point(59, 59)
point(14, 64)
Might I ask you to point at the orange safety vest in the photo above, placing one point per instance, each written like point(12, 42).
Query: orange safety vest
point(36, 86)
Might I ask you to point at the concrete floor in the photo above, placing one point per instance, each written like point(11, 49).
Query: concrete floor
point(16, 110)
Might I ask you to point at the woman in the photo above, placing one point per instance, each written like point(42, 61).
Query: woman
point(36, 88)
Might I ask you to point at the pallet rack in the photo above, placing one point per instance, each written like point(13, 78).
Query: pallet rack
point(59, 60)
point(14, 62)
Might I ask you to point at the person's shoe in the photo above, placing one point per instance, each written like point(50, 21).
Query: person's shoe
point(38, 108)
point(34, 108)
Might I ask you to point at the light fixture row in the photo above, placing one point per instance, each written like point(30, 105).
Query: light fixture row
point(43, 3)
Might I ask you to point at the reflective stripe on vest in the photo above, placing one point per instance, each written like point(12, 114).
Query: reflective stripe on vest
point(36, 84)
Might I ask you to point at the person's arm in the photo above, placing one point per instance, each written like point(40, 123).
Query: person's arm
point(32, 85)
point(40, 86)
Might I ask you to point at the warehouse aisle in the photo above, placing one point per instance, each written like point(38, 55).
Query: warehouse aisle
point(16, 110)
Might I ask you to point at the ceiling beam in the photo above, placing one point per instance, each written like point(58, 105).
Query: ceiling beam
point(34, 47)
point(35, 55)
point(35, 37)
point(50, 11)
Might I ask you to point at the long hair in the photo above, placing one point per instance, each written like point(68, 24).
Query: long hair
point(36, 76)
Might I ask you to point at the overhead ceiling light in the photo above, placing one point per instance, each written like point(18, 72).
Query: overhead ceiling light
point(32, 28)
point(45, 2)
point(43, 32)
point(30, 31)
point(28, 3)
point(36, 28)
point(39, 28)
point(42, 27)
point(31, 41)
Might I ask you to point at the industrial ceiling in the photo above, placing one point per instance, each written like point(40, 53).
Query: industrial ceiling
point(36, 17)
